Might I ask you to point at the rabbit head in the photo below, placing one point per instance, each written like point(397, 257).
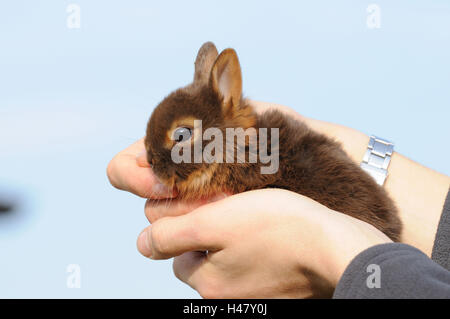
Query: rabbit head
point(214, 98)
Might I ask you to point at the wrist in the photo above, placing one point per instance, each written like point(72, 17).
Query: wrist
point(345, 238)
point(334, 240)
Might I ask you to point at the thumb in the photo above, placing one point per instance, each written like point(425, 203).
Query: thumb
point(172, 236)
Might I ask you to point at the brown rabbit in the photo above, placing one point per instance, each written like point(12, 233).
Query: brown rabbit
point(310, 164)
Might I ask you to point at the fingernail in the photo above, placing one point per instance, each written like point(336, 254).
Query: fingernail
point(144, 244)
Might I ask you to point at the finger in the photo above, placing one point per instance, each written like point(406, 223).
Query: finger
point(196, 270)
point(141, 159)
point(187, 268)
point(124, 173)
point(156, 209)
point(172, 236)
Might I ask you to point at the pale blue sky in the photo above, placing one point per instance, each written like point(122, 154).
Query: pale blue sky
point(71, 98)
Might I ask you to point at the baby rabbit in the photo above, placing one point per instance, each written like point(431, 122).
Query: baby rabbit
point(309, 163)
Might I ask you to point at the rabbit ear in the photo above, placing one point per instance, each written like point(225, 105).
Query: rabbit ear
point(226, 78)
point(206, 56)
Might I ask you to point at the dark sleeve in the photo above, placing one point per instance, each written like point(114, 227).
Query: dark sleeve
point(441, 248)
point(393, 270)
point(397, 270)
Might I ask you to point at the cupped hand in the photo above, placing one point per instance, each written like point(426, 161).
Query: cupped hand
point(255, 247)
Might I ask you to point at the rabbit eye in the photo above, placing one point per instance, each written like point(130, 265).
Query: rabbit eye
point(182, 134)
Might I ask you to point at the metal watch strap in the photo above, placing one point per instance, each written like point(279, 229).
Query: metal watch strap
point(377, 157)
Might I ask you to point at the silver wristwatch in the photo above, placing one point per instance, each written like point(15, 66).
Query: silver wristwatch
point(377, 157)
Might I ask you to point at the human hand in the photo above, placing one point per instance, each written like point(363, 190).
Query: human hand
point(257, 248)
point(419, 204)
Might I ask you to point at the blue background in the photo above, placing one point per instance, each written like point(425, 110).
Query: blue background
point(71, 98)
